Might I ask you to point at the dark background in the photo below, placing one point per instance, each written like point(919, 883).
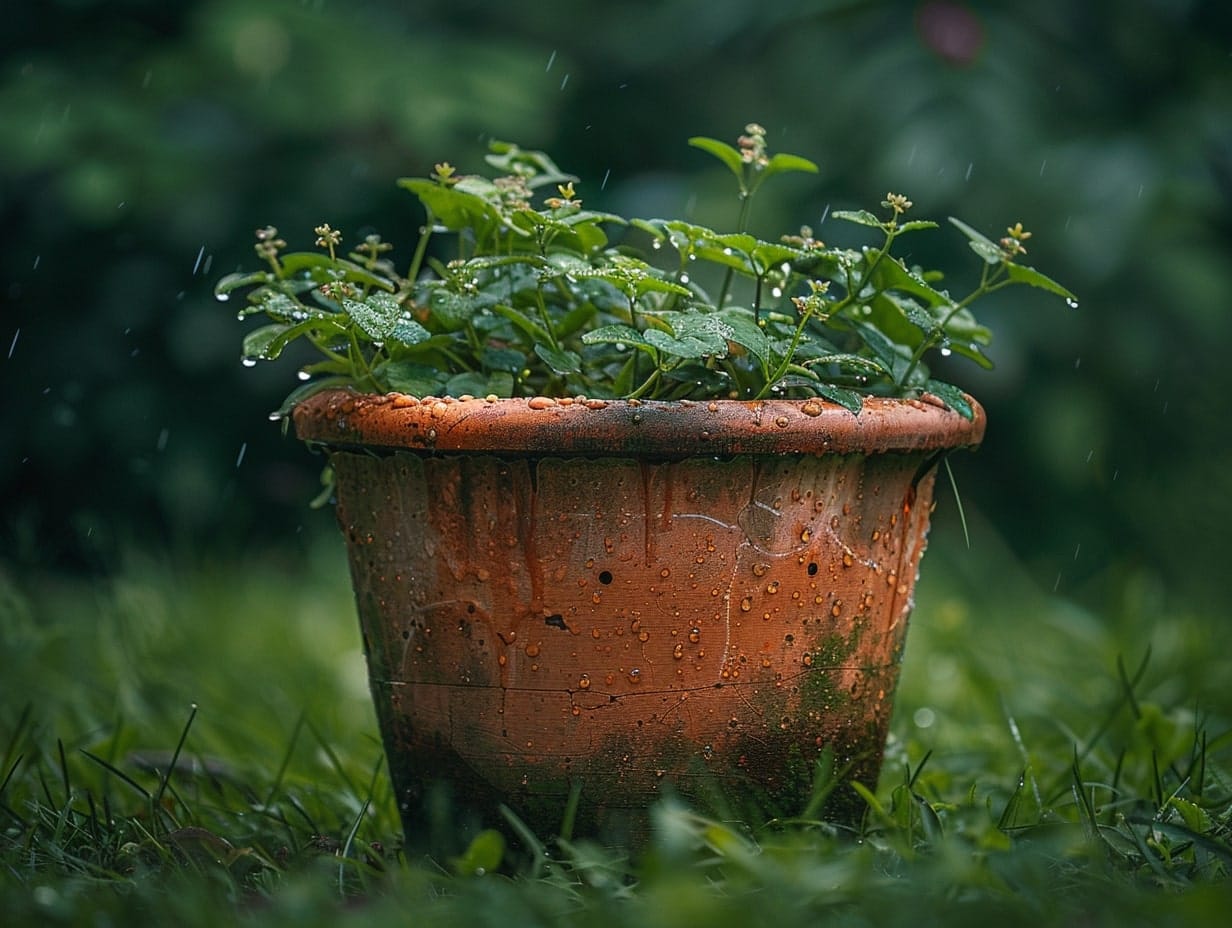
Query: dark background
point(142, 142)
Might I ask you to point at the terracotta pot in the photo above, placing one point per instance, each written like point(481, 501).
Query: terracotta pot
point(617, 596)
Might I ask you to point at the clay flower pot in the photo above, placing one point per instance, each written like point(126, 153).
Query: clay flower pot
point(614, 596)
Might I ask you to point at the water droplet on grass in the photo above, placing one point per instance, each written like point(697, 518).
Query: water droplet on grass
point(248, 362)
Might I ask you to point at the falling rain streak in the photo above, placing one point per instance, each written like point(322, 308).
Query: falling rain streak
point(239, 458)
point(13, 343)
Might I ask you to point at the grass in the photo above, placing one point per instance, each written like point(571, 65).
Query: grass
point(194, 745)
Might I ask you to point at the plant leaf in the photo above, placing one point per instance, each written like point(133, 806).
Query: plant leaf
point(466, 383)
point(859, 216)
point(687, 347)
point(408, 332)
point(952, 397)
point(1029, 275)
point(412, 378)
point(981, 244)
point(258, 344)
point(850, 400)
point(782, 163)
point(724, 152)
point(613, 335)
point(561, 362)
point(240, 279)
point(453, 208)
point(376, 316)
point(747, 334)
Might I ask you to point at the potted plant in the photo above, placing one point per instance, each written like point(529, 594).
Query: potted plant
point(630, 504)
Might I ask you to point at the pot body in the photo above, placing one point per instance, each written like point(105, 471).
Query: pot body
point(536, 624)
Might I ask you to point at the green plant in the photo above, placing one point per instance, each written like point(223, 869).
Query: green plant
point(559, 299)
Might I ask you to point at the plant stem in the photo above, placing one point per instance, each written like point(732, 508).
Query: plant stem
point(421, 248)
point(787, 357)
point(646, 384)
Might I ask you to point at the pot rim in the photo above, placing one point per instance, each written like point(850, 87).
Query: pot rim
point(344, 418)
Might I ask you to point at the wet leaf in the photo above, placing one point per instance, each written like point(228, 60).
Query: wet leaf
point(952, 397)
point(614, 335)
point(746, 333)
point(850, 400)
point(258, 343)
point(240, 279)
point(859, 216)
point(376, 316)
point(560, 362)
point(686, 347)
point(1029, 275)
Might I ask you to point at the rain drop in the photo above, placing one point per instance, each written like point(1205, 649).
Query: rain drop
point(1071, 302)
point(248, 362)
point(222, 297)
point(684, 278)
point(303, 375)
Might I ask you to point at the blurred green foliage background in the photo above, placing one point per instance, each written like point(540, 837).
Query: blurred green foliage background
point(144, 141)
